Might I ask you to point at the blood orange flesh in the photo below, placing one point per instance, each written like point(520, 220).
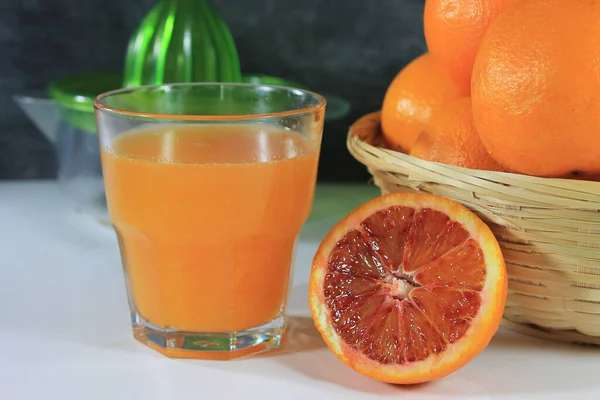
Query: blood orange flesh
point(408, 288)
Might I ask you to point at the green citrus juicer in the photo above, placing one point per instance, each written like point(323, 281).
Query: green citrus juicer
point(65, 115)
point(177, 41)
point(181, 41)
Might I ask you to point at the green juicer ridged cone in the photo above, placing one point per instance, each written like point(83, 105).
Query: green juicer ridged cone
point(181, 41)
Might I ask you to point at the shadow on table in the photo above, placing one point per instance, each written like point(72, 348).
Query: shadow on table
point(300, 336)
point(509, 366)
point(304, 351)
point(519, 364)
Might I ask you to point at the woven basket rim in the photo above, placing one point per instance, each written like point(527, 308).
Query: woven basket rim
point(354, 135)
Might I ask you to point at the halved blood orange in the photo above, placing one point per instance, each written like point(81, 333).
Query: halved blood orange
point(408, 288)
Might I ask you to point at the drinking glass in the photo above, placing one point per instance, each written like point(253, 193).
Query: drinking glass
point(208, 186)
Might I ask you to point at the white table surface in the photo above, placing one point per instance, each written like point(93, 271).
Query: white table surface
point(65, 333)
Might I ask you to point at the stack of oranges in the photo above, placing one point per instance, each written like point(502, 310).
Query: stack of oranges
point(507, 85)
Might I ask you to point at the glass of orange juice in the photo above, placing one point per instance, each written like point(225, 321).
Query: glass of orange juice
point(208, 186)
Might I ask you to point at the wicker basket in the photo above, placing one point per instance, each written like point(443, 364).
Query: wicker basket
point(549, 231)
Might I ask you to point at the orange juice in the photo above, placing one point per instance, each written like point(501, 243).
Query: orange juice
point(207, 217)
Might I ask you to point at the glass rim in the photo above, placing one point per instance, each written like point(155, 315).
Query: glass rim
point(98, 105)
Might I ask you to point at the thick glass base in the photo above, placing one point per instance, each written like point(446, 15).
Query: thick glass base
point(209, 346)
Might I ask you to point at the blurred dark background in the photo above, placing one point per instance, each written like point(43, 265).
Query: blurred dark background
point(351, 48)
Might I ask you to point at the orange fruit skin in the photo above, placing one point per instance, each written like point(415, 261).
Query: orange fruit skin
point(414, 94)
point(583, 177)
point(453, 32)
point(451, 138)
point(535, 88)
point(483, 326)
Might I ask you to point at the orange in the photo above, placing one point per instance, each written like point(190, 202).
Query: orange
point(453, 31)
point(414, 94)
point(451, 138)
point(535, 88)
point(408, 288)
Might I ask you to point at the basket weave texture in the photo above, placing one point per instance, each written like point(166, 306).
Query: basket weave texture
point(548, 229)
